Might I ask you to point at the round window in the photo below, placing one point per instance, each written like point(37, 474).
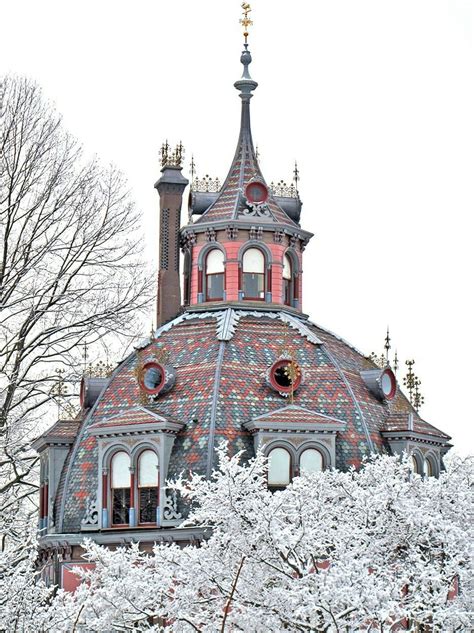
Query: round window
point(285, 376)
point(256, 192)
point(153, 377)
point(388, 384)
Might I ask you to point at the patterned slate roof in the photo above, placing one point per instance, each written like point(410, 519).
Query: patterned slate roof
point(410, 422)
point(132, 417)
point(297, 415)
point(220, 384)
point(62, 431)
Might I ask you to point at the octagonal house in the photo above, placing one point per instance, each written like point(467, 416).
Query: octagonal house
point(239, 362)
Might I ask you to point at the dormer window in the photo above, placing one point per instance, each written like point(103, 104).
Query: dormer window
point(253, 275)
point(284, 463)
point(215, 275)
point(120, 488)
point(287, 281)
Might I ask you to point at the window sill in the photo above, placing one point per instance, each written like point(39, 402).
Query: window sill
point(121, 528)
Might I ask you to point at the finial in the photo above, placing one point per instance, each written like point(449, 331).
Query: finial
point(296, 176)
point(193, 169)
point(85, 355)
point(245, 21)
point(413, 383)
point(172, 158)
point(257, 153)
point(395, 362)
point(387, 345)
point(246, 84)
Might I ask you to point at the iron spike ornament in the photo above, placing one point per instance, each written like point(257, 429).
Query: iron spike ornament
point(413, 383)
point(206, 184)
point(380, 361)
point(384, 359)
point(245, 21)
point(296, 177)
point(387, 346)
point(171, 158)
point(395, 362)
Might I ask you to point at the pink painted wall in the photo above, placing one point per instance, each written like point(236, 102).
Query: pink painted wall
point(232, 249)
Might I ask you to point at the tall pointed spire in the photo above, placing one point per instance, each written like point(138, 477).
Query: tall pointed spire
point(231, 203)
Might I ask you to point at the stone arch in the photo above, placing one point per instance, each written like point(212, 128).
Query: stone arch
point(256, 244)
point(205, 250)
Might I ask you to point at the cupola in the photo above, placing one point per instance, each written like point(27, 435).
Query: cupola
point(243, 244)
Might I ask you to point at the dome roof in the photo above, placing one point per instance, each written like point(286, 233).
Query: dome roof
point(220, 360)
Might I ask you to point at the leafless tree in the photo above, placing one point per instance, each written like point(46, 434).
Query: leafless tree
point(70, 268)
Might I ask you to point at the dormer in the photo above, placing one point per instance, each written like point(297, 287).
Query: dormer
point(53, 448)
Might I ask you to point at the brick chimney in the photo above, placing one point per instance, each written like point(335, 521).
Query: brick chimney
point(170, 188)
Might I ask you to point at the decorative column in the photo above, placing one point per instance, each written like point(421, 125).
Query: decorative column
point(105, 513)
point(158, 522)
point(132, 515)
point(45, 505)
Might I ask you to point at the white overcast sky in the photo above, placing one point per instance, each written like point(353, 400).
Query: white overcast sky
point(375, 98)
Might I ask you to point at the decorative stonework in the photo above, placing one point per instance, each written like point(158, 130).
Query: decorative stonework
point(164, 232)
point(210, 235)
point(206, 184)
point(220, 316)
point(170, 509)
point(256, 233)
point(232, 232)
point(278, 237)
point(256, 210)
point(91, 517)
point(304, 243)
point(188, 239)
point(282, 190)
point(294, 239)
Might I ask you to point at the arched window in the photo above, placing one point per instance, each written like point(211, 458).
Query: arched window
point(311, 461)
point(427, 468)
point(120, 485)
point(147, 486)
point(253, 274)
point(287, 281)
point(413, 464)
point(215, 275)
point(279, 463)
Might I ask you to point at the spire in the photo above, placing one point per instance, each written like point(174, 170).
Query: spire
point(231, 202)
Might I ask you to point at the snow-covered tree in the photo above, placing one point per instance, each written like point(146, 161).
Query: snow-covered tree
point(368, 550)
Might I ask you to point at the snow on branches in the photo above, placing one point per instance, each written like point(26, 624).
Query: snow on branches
point(375, 549)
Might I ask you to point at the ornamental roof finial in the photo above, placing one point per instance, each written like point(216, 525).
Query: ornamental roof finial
point(246, 84)
point(245, 21)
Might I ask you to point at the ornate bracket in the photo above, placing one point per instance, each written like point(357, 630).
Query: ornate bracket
point(170, 509)
point(91, 517)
